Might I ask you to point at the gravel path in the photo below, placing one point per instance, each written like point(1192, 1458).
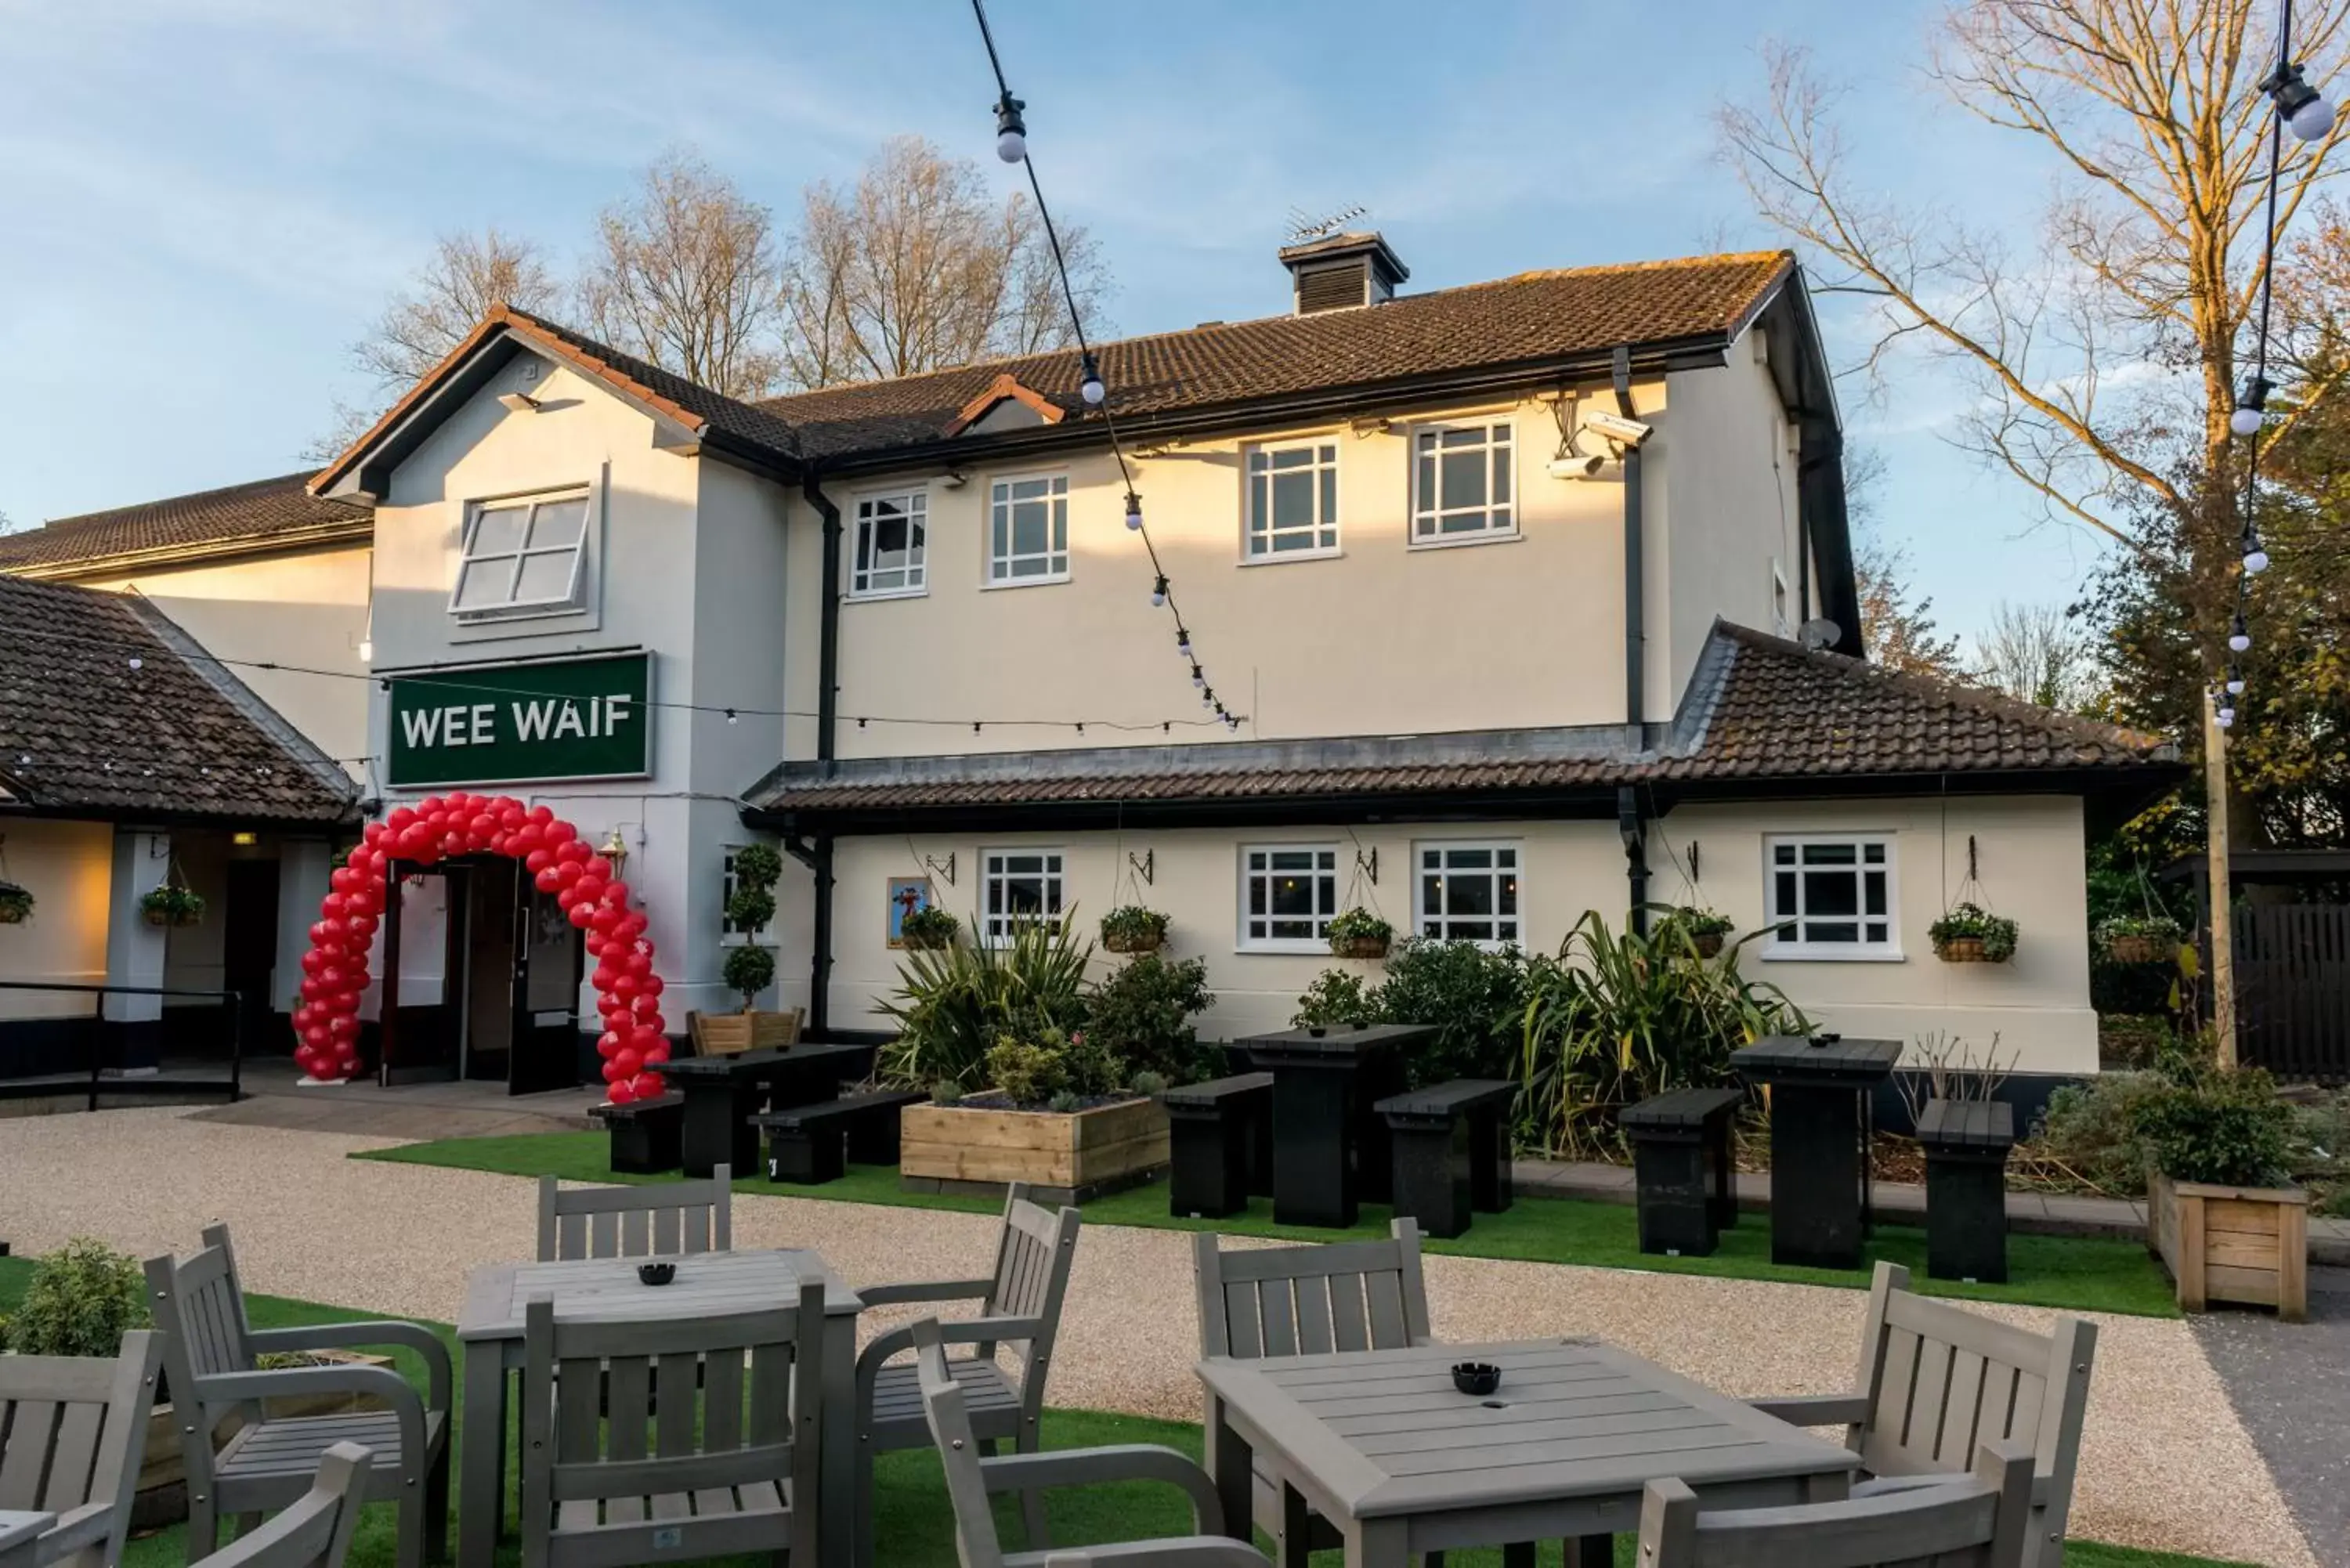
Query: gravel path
point(2164, 1461)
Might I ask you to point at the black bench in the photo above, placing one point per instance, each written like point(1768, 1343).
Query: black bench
point(647, 1135)
point(1220, 1136)
point(724, 1093)
point(1967, 1143)
point(1681, 1159)
point(1452, 1151)
point(812, 1144)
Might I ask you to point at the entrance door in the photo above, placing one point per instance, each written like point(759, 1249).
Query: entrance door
point(420, 1040)
point(550, 954)
point(490, 969)
point(249, 942)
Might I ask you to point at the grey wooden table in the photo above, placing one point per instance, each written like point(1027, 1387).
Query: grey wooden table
point(1382, 1445)
point(491, 1326)
point(18, 1531)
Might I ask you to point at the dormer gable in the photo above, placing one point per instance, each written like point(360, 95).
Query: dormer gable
point(1005, 405)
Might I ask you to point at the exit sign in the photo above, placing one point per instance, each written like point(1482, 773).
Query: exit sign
point(512, 723)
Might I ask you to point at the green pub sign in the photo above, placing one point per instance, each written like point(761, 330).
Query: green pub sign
point(560, 718)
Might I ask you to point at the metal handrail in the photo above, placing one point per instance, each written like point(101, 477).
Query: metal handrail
point(236, 1000)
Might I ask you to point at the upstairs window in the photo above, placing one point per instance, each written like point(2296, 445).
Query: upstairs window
point(522, 557)
point(1028, 529)
point(1461, 483)
point(1293, 501)
point(891, 558)
point(1831, 897)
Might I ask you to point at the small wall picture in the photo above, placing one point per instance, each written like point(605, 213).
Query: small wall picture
point(907, 894)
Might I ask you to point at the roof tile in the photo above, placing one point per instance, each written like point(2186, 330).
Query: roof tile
point(259, 511)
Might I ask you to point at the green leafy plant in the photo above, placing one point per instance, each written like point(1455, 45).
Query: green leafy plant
point(2090, 1130)
point(1359, 933)
point(2208, 1124)
point(946, 1092)
point(1338, 998)
point(1475, 999)
point(1028, 1074)
point(749, 968)
point(1148, 1084)
point(15, 904)
point(1141, 1011)
point(1699, 923)
point(953, 1003)
point(753, 904)
point(2160, 928)
point(1967, 924)
point(1094, 1066)
point(1616, 1018)
point(1066, 1102)
point(170, 904)
point(929, 928)
point(1131, 929)
point(81, 1300)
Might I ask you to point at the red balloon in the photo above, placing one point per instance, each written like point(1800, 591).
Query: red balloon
point(628, 1060)
point(615, 893)
point(607, 1044)
point(346, 1067)
point(621, 1091)
point(651, 985)
point(313, 962)
point(511, 815)
point(627, 985)
point(343, 1026)
point(580, 915)
point(643, 1036)
point(340, 879)
point(316, 1034)
point(548, 880)
point(658, 1055)
point(542, 814)
point(559, 831)
point(413, 841)
point(647, 1086)
point(401, 817)
point(603, 920)
point(333, 905)
point(332, 931)
point(638, 962)
point(361, 928)
point(633, 926)
point(650, 1019)
point(537, 860)
point(598, 865)
point(481, 824)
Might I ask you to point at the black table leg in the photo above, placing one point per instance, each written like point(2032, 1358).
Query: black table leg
point(707, 1137)
point(1815, 1176)
point(1314, 1170)
point(1432, 1172)
point(1588, 1552)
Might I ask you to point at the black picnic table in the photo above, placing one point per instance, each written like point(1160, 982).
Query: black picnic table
point(1330, 1152)
point(1820, 1087)
point(724, 1093)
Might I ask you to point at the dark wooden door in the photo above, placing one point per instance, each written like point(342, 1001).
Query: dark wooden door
point(2292, 989)
point(490, 968)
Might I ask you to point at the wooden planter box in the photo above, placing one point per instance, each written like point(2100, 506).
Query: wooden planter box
point(2246, 1244)
point(162, 1493)
point(732, 1033)
point(945, 1148)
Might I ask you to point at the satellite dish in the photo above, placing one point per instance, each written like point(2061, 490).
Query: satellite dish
point(1820, 635)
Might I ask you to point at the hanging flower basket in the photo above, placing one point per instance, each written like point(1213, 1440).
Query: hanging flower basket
point(1971, 934)
point(2136, 939)
point(1359, 934)
point(1134, 930)
point(172, 905)
point(929, 929)
point(1707, 931)
point(15, 904)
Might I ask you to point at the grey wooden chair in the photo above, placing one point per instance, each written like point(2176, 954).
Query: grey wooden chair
point(1020, 1304)
point(622, 1467)
point(72, 1431)
point(1936, 1381)
point(1310, 1301)
point(208, 1359)
point(315, 1530)
point(665, 1217)
point(973, 1477)
point(1974, 1520)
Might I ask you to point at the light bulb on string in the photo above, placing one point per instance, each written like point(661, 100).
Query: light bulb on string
point(2303, 109)
point(1089, 385)
point(1183, 640)
point(2239, 636)
point(2250, 404)
point(2235, 681)
point(1158, 594)
point(2225, 718)
point(1198, 677)
point(729, 715)
point(1207, 697)
point(1011, 131)
point(1133, 512)
point(2256, 559)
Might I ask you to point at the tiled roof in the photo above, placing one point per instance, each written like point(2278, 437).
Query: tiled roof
point(263, 511)
point(1761, 708)
point(690, 403)
point(1528, 319)
point(83, 730)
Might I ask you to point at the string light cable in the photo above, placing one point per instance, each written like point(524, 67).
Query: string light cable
point(1012, 147)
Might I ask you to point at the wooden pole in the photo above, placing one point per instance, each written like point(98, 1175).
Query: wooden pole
point(2222, 902)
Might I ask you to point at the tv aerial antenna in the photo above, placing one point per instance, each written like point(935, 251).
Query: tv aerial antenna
point(1305, 226)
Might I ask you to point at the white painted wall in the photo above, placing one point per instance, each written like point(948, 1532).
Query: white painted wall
point(67, 865)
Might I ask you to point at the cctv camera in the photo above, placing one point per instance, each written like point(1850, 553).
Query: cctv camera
point(1617, 428)
point(1576, 464)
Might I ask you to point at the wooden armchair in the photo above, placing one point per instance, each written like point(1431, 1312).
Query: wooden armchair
point(209, 1356)
point(316, 1530)
point(973, 1477)
point(1977, 1519)
point(664, 1218)
point(1020, 1304)
point(72, 1430)
point(1935, 1381)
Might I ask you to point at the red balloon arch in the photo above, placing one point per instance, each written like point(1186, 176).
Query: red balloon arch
point(335, 970)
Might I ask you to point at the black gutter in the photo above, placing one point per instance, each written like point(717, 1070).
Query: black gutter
point(827, 662)
point(816, 855)
point(1635, 662)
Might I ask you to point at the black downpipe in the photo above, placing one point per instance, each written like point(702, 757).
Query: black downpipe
point(1636, 663)
point(1635, 829)
point(816, 855)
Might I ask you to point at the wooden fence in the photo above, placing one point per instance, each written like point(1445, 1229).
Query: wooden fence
point(2292, 989)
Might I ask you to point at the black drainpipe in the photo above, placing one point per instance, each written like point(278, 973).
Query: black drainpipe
point(1636, 664)
point(1635, 831)
point(817, 856)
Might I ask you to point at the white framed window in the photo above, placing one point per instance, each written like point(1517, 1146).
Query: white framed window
point(1292, 500)
point(522, 556)
point(1468, 892)
point(890, 558)
point(1028, 529)
point(1288, 894)
point(1462, 483)
point(734, 933)
point(1017, 888)
point(1831, 896)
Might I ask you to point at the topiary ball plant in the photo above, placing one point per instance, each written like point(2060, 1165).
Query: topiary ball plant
point(750, 970)
point(82, 1299)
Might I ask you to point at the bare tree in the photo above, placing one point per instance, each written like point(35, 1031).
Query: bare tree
point(2033, 654)
point(685, 274)
point(918, 267)
point(1897, 628)
point(455, 289)
point(6, 526)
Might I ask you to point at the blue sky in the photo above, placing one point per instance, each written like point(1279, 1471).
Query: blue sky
point(201, 207)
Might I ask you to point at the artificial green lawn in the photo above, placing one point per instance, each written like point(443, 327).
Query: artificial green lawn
point(913, 1526)
point(2084, 1274)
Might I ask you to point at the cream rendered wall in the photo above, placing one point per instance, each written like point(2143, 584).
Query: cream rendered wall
point(306, 608)
point(1382, 638)
point(1727, 514)
point(1567, 867)
point(2029, 853)
point(66, 866)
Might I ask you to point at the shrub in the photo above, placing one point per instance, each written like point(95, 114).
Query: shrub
point(952, 1004)
point(752, 905)
point(1133, 929)
point(1337, 999)
point(1149, 1085)
point(929, 927)
point(1094, 1068)
point(1028, 1074)
point(2227, 1128)
point(82, 1299)
point(1964, 921)
point(2132, 1039)
point(749, 968)
point(1065, 1102)
point(1142, 1011)
point(2091, 1129)
point(1475, 999)
point(1616, 1018)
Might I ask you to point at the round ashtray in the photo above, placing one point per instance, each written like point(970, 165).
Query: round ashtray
point(657, 1273)
point(1476, 1378)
